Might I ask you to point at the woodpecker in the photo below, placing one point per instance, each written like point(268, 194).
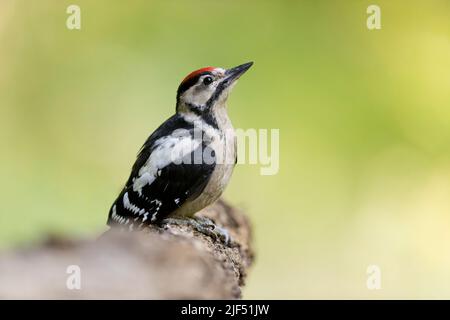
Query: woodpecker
point(186, 163)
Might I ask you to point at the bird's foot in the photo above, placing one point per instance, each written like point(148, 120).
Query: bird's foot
point(201, 224)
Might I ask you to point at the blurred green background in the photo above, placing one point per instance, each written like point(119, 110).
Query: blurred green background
point(364, 119)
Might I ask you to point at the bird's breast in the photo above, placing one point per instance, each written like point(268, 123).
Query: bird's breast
point(225, 150)
point(224, 146)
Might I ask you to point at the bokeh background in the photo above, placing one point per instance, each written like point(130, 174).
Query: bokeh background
point(364, 119)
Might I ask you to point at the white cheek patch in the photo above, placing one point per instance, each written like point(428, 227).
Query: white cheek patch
point(198, 94)
point(171, 149)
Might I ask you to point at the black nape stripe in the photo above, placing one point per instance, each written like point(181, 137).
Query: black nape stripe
point(204, 113)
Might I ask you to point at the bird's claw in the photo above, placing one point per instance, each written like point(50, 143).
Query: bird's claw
point(213, 230)
point(203, 225)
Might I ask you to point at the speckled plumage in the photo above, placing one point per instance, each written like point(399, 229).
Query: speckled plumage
point(187, 162)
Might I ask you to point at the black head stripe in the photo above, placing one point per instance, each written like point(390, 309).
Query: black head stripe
point(185, 85)
point(222, 86)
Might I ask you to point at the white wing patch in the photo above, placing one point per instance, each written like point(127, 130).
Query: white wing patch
point(170, 149)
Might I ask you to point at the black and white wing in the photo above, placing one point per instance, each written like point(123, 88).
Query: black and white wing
point(167, 173)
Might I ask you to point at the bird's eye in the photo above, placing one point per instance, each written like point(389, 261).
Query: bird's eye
point(207, 80)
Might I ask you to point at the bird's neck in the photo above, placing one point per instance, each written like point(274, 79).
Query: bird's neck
point(215, 117)
point(220, 114)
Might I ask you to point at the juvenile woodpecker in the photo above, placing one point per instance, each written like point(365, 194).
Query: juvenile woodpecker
point(185, 165)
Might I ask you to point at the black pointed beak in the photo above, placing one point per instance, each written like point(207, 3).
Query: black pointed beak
point(231, 75)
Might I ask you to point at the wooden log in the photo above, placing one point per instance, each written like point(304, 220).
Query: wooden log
point(171, 263)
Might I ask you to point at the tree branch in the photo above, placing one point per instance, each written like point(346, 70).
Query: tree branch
point(177, 263)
